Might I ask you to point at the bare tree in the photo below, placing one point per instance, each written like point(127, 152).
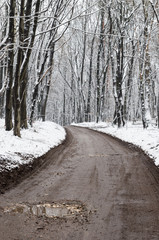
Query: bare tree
point(11, 40)
point(46, 67)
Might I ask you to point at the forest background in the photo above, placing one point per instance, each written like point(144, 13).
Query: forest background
point(74, 61)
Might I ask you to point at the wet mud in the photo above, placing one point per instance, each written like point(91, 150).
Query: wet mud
point(49, 210)
point(92, 187)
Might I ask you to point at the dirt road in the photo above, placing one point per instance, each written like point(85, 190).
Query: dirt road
point(93, 187)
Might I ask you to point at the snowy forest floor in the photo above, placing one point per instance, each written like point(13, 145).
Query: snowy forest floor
point(146, 139)
point(18, 156)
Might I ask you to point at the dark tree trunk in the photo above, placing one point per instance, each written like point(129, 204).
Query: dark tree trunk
point(34, 97)
point(23, 106)
point(103, 91)
point(118, 114)
point(24, 77)
point(99, 56)
point(64, 107)
point(17, 74)
point(44, 104)
point(158, 111)
point(1, 95)
point(129, 84)
point(8, 107)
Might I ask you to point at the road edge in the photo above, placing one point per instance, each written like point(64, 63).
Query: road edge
point(11, 178)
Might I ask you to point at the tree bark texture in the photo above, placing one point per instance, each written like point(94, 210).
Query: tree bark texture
point(17, 102)
point(11, 39)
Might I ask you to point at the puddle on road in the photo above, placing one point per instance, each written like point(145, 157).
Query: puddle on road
point(48, 210)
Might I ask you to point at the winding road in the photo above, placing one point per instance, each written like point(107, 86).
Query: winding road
point(97, 188)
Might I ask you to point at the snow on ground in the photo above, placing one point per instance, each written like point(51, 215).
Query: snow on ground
point(34, 142)
point(147, 139)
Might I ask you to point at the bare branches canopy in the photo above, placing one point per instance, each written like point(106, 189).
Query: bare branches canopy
point(79, 60)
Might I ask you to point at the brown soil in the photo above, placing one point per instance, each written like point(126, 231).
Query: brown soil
point(110, 190)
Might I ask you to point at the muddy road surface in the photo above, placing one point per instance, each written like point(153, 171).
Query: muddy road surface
point(93, 187)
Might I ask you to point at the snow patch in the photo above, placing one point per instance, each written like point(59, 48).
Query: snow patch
point(34, 142)
point(146, 139)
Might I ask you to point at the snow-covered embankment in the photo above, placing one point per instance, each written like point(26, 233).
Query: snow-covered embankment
point(146, 139)
point(34, 142)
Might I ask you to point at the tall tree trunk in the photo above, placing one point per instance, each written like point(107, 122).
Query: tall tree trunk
point(24, 80)
point(11, 39)
point(34, 97)
point(118, 114)
point(17, 73)
point(158, 111)
point(88, 108)
point(44, 104)
point(112, 64)
point(2, 83)
point(145, 71)
point(20, 75)
point(99, 55)
point(127, 98)
point(64, 107)
point(103, 90)
point(73, 98)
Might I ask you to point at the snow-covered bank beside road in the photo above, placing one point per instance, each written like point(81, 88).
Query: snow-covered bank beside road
point(146, 139)
point(34, 142)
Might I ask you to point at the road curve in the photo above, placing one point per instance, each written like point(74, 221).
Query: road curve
point(116, 183)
